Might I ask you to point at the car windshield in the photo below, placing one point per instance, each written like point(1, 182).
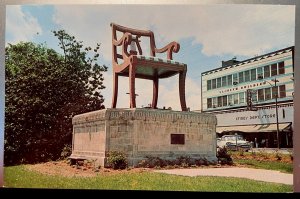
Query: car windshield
point(232, 138)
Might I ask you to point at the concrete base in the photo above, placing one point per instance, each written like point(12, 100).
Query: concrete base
point(144, 132)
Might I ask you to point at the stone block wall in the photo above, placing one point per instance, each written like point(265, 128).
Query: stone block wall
point(144, 132)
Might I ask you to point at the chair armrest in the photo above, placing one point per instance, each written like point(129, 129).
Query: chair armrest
point(170, 48)
point(124, 41)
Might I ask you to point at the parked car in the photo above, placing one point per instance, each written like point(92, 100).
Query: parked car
point(233, 142)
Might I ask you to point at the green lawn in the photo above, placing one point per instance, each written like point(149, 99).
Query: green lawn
point(270, 165)
point(20, 177)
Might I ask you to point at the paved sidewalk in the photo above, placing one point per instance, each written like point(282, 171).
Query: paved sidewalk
point(254, 174)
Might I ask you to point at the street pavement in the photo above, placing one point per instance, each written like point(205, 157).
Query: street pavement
point(249, 173)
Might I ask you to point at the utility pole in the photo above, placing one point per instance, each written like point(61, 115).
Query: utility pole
point(276, 110)
point(276, 107)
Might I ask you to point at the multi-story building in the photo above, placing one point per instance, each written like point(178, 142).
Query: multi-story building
point(253, 97)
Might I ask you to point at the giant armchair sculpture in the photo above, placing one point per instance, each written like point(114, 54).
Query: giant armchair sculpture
point(134, 64)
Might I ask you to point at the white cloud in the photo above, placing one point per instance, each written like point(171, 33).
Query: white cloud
point(248, 30)
point(169, 93)
point(20, 26)
point(221, 30)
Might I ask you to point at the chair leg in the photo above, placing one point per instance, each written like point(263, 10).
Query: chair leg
point(132, 86)
point(155, 92)
point(182, 76)
point(115, 90)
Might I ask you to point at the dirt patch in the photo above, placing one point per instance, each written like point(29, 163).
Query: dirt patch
point(63, 168)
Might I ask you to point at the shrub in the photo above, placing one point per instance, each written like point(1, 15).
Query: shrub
point(66, 151)
point(223, 156)
point(169, 167)
point(291, 156)
point(202, 162)
point(241, 152)
point(144, 163)
point(151, 162)
point(179, 162)
point(264, 154)
point(117, 160)
point(184, 161)
point(278, 156)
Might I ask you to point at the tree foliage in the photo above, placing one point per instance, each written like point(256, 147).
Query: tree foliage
point(44, 90)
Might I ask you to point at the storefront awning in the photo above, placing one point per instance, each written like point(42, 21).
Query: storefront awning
point(255, 128)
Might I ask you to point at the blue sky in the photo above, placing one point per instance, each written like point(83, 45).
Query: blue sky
point(207, 34)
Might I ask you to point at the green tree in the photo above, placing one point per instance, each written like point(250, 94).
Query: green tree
point(44, 90)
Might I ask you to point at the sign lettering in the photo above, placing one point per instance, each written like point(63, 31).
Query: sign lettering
point(242, 87)
point(256, 117)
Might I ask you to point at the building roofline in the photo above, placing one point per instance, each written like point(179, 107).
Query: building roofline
point(248, 60)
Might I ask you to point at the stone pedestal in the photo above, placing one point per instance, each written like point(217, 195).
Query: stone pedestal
point(143, 132)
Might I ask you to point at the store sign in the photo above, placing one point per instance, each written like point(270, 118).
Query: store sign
point(264, 116)
point(239, 88)
point(253, 117)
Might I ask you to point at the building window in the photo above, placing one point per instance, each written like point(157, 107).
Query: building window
point(247, 76)
point(266, 71)
point(236, 98)
point(241, 77)
point(242, 98)
point(282, 91)
point(253, 74)
point(229, 80)
point(260, 74)
point(260, 94)
point(235, 79)
point(224, 100)
point(208, 84)
point(219, 101)
point(209, 103)
point(177, 138)
point(281, 68)
point(214, 102)
point(213, 86)
point(224, 81)
point(273, 69)
point(274, 92)
point(283, 113)
point(267, 93)
point(219, 82)
point(230, 100)
point(254, 96)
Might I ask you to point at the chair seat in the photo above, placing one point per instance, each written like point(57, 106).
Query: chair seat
point(149, 67)
point(156, 59)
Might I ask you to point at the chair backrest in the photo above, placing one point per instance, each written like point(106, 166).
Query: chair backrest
point(129, 36)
